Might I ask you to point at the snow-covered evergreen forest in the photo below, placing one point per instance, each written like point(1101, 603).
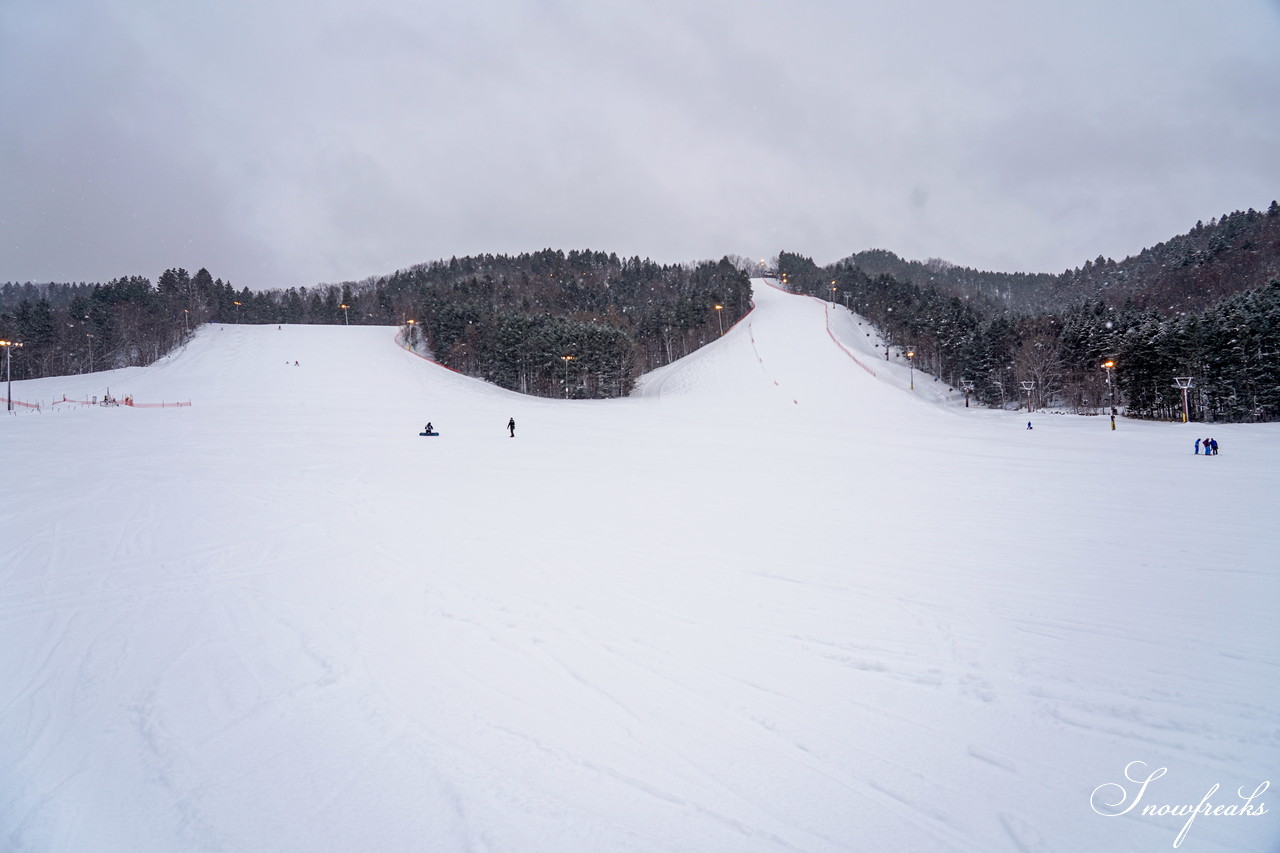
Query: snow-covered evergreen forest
point(964, 331)
point(1203, 307)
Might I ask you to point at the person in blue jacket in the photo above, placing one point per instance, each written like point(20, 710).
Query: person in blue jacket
point(1197, 447)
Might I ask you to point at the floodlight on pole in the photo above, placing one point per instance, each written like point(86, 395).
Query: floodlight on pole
point(720, 308)
point(1184, 382)
point(8, 375)
point(567, 359)
point(1108, 366)
point(911, 361)
point(1028, 386)
point(345, 319)
point(237, 304)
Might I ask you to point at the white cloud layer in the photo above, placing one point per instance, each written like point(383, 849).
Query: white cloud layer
point(282, 143)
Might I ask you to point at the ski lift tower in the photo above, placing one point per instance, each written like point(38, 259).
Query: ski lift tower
point(1184, 382)
point(1028, 386)
point(967, 385)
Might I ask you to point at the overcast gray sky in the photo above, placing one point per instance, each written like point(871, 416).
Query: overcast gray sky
point(290, 142)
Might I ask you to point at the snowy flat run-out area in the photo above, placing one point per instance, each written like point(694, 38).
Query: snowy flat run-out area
point(770, 602)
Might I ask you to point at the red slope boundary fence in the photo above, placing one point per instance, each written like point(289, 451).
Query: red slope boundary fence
point(826, 313)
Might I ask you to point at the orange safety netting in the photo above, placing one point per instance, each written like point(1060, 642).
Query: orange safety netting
point(9, 402)
point(121, 401)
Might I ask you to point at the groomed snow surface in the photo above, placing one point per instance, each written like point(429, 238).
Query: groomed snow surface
point(771, 602)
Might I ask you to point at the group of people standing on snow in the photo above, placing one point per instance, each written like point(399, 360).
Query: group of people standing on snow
point(1210, 446)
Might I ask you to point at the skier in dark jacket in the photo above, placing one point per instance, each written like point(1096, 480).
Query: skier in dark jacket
point(511, 425)
point(1213, 446)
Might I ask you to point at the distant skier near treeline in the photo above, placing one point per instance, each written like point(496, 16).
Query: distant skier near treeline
point(511, 425)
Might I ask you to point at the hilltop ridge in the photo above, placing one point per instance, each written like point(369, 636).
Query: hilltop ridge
point(1189, 272)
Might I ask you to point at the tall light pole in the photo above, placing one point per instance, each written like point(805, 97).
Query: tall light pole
point(1028, 386)
point(237, 304)
point(90, 337)
point(833, 292)
point(1108, 366)
point(345, 319)
point(567, 359)
point(719, 308)
point(911, 360)
point(967, 385)
point(8, 376)
point(412, 326)
point(1184, 382)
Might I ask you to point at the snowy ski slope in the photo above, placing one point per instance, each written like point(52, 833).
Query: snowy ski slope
point(771, 602)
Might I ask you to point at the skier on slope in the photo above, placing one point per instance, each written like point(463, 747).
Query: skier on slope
point(511, 425)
